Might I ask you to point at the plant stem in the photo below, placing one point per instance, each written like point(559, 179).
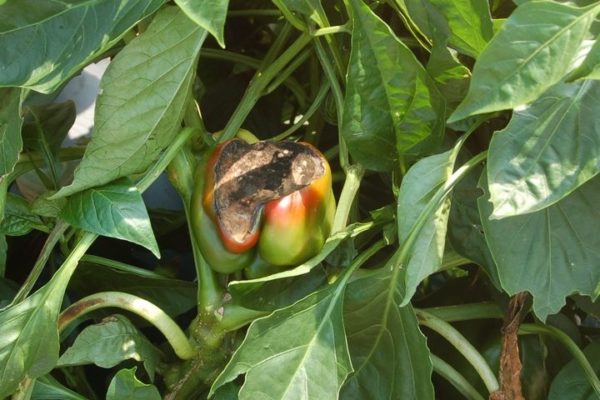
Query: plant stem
point(121, 266)
point(588, 370)
point(330, 30)
point(183, 177)
point(323, 90)
point(349, 191)
point(466, 312)
point(257, 86)
point(447, 372)
point(41, 261)
point(136, 305)
point(338, 96)
point(455, 338)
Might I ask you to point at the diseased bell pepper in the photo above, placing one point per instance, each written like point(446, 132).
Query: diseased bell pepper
point(271, 201)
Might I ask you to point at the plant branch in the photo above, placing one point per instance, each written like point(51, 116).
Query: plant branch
point(447, 372)
point(349, 191)
point(258, 84)
point(136, 305)
point(461, 344)
point(41, 261)
point(588, 370)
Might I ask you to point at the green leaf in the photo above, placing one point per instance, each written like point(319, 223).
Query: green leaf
point(44, 43)
point(140, 108)
point(3, 250)
point(173, 296)
point(330, 245)
point(125, 386)
point(392, 108)
point(418, 187)
point(48, 388)
point(571, 382)
point(389, 352)
point(209, 14)
point(298, 352)
point(532, 51)
point(115, 210)
point(46, 207)
point(18, 219)
point(271, 295)
point(547, 150)
point(11, 143)
point(470, 24)
point(590, 67)
point(465, 229)
point(29, 342)
point(108, 343)
point(550, 253)
point(46, 126)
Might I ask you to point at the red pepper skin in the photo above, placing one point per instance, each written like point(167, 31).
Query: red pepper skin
point(296, 226)
point(209, 237)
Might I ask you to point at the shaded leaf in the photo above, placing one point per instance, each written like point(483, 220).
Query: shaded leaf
point(550, 253)
point(106, 344)
point(173, 296)
point(312, 361)
point(532, 51)
point(44, 43)
point(465, 229)
point(114, 210)
point(392, 108)
point(571, 382)
point(11, 143)
point(29, 342)
point(140, 107)
point(547, 150)
point(46, 126)
point(48, 388)
point(209, 14)
point(18, 218)
point(46, 207)
point(418, 187)
point(271, 295)
point(389, 352)
point(125, 386)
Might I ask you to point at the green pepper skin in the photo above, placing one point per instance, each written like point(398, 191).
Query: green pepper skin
point(296, 226)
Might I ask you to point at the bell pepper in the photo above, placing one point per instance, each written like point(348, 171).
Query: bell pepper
point(273, 201)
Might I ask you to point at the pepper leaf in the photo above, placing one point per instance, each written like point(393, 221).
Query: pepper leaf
point(209, 14)
point(532, 51)
point(550, 253)
point(106, 344)
point(115, 210)
point(11, 143)
point(547, 150)
point(45, 42)
point(392, 107)
point(125, 385)
point(141, 103)
point(384, 341)
point(29, 343)
point(312, 362)
point(418, 187)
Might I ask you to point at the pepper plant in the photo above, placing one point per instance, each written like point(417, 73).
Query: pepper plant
point(378, 200)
